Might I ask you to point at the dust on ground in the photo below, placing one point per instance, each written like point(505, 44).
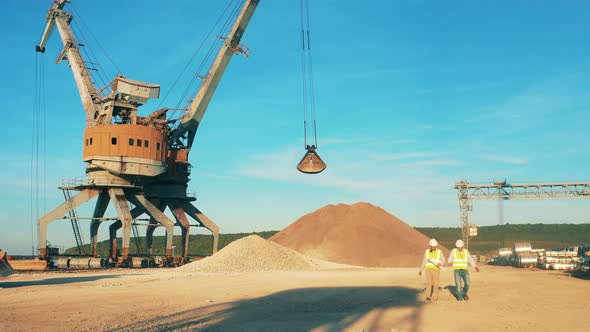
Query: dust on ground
point(382, 299)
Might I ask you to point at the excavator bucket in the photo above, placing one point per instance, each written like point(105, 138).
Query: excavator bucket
point(5, 268)
point(311, 163)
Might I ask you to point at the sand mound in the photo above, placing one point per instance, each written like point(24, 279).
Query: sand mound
point(359, 234)
point(250, 254)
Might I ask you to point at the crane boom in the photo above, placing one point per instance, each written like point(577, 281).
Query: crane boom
point(196, 111)
point(71, 51)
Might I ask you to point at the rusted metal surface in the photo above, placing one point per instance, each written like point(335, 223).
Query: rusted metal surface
point(28, 264)
point(5, 268)
point(311, 163)
point(184, 224)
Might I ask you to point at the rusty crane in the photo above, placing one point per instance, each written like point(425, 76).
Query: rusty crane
point(138, 163)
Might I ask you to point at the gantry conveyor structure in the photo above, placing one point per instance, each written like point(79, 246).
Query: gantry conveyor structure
point(501, 190)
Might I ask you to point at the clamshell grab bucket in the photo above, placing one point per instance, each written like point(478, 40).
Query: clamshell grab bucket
point(311, 163)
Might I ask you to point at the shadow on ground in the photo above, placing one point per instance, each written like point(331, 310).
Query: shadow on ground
point(453, 290)
point(53, 281)
point(331, 309)
point(578, 274)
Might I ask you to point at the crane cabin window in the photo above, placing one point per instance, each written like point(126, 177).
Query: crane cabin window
point(138, 142)
point(131, 142)
point(113, 140)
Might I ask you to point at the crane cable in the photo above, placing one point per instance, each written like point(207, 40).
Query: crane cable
point(90, 57)
point(307, 73)
point(192, 88)
point(38, 174)
point(191, 59)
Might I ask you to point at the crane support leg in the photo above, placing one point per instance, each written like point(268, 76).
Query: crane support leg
point(118, 197)
point(135, 213)
point(205, 221)
point(149, 233)
point(59, 212)
point(160, 217)
point(149, 237)
point(184, 224)
point(465, 206)
point(113, 228)
point(99, 210)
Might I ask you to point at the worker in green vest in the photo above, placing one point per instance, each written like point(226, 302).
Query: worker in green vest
point(461, 259)
point(432, 262)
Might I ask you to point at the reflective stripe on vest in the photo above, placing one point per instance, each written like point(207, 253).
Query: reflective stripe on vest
point(432, 256)
point(460, 259)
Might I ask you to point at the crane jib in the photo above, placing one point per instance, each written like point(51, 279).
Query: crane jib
point(198, 107)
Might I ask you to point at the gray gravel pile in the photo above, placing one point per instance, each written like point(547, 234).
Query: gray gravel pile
point(252, 254)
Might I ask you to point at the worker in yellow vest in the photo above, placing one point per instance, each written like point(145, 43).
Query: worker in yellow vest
point(432, 262)
point(461, 259)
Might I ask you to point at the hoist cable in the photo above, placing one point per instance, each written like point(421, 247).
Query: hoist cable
point(38, 174)
point(33, 131)
point(303, 72)
point(96, 40)
point(225, 29)
point(43, 128)
point(101, 75)
point(194, 54)
point(307, 73)
point(311, 80)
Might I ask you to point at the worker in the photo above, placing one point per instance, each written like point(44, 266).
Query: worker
point(461, 259)
point(433, 261)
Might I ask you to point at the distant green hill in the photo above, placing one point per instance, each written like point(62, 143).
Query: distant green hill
point(199, 245)
point(489, 239)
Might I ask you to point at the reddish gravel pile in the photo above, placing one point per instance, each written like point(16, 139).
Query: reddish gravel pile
point(359, 234)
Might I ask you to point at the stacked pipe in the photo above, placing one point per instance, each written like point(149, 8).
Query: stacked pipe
point(523, 255)
point(78, 263)
point(561, 259)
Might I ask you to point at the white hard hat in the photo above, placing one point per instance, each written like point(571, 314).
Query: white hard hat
point(433, 243)
point(459, 244)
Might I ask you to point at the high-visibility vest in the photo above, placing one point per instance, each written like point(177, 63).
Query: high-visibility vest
point(432, 256)
point(460, 259)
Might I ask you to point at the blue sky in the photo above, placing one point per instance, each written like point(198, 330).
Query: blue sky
point(411, 96)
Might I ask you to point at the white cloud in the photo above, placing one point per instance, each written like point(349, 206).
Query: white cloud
point(433, 162)
point(403, 155)
point(506, 159)
point(281, 166)
point(363, 175)
point(336, 140)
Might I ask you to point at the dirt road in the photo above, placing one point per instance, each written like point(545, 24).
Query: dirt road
point(502, 299)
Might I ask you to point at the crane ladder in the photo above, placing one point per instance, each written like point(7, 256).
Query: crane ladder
point(74, 221)
point(136, 238)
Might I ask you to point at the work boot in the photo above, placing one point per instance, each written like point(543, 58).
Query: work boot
point(465, 297)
